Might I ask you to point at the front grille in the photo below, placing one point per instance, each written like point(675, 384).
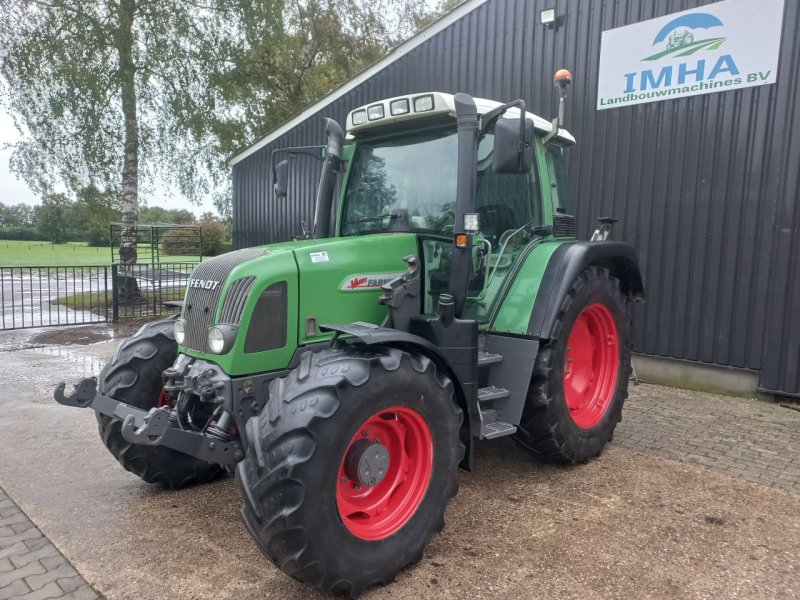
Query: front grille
point(201, 303)
point(235, 300)
point(564, 226)
point(267, 329)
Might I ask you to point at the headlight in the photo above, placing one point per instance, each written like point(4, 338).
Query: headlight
point(221, 338)
point(375, 112)
point(359, 117)
point(180, 331)
point(423, 103)
point(216, 341)
point(399, 107)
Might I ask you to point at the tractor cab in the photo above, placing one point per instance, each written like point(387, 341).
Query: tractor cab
point(402, 176)
point(398, 171)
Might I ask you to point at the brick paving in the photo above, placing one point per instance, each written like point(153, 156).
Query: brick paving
point(750, 439)
point(31, 568)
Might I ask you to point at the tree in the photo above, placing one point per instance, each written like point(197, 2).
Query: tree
point(284, 59)
point(97, 209)
point(113, 94)
point(185, 241)
point(106, 91)
point(50, 220)
point(157, 214)
point(17, 215)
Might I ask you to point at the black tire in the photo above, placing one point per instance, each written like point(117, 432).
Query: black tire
point(289, 477)
point(547, 429)
point(133, 376)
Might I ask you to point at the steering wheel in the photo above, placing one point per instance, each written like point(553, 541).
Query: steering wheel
point(441, 221)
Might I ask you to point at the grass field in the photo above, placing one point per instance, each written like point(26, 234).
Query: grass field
point(32, 254)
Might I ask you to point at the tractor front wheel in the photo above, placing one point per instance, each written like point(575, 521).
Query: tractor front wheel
point(580, 378)
point(133, 376)
point(350, 466)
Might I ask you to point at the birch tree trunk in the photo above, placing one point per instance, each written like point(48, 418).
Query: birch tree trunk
point(126, 10)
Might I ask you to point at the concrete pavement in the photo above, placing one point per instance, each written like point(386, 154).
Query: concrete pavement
point(641, 521)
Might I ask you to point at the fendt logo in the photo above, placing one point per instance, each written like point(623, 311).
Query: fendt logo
point(204, 284)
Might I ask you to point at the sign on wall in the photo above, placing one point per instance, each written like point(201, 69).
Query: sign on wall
point(714, 48)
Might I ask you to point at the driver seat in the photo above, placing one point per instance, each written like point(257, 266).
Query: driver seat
point(495, 219)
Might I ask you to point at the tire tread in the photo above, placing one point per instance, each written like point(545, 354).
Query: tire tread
point(267, 511)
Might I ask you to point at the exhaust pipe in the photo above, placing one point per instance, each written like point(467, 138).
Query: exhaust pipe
point(327, 181)
point(467, 123)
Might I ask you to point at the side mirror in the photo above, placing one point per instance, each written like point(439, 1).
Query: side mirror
point(280, 179)
point(513, 145)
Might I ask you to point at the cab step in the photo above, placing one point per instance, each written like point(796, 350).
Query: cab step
point(491, 393)
point(490, 431)
point(487, 358)
point(491, 425)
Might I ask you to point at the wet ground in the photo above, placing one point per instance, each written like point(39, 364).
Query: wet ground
point(638, 522)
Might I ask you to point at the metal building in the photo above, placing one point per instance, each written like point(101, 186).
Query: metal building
point(706, 187)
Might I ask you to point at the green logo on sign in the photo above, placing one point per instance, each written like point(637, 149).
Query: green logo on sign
point(682, 42)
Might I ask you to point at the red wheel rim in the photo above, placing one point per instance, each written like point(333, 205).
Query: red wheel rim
point(164, 399)
point(590, 371)
point(374, 513)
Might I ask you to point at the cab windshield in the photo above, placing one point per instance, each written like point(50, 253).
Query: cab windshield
point(406, 184)
point(409, 184)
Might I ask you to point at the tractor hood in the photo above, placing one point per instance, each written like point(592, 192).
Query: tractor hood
point(272, 299)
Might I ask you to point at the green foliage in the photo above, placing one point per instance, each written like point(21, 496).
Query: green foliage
point(216, 238)
point(50, 218)
point(152, 215)
point(111, 91)
point(288, 55)
point(59, 219)
point(16, 232)
point(176, 242)
point(63, 62)
point(17, 215)
point(97, 210)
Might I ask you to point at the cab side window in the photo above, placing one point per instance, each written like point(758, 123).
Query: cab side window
point(504, 201)
point(557, 166)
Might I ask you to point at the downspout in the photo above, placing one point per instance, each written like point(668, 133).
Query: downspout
point(327, 180)
point(467, 121)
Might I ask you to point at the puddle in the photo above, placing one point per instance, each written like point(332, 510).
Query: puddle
point(75, 337)
point(90, 363)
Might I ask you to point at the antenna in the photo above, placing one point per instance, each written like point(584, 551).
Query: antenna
point(561, 80)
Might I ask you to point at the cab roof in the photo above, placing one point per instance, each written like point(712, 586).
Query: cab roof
point(418, 106)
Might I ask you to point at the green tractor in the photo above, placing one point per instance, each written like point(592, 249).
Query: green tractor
point(440, 298)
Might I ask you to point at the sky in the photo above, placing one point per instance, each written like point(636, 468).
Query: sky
point(16, 191)
point(12, 190)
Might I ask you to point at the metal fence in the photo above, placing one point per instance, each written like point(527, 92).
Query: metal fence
point(76, 295)
point(160, 242)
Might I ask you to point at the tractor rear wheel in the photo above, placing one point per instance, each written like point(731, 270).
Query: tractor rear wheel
point(133, 376)
point(350, 466)
point(580, 378)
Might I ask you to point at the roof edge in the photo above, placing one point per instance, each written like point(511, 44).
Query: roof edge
point(393, 55)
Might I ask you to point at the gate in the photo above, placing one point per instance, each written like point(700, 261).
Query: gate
point(78, 295)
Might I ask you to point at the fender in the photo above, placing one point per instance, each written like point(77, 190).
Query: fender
point(567, 262)
point(370, 334)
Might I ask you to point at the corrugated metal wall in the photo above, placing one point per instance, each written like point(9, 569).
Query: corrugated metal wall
point(706, 187)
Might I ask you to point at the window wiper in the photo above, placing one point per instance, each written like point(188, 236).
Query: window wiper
point(371, 218)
